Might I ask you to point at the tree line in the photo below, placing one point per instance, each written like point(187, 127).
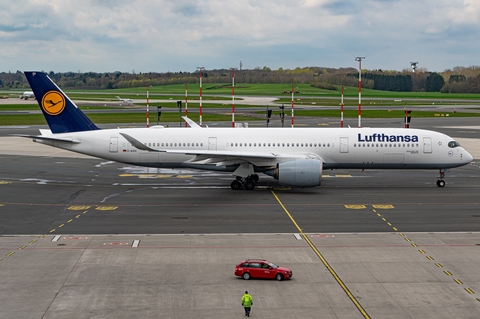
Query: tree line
point(457, 80)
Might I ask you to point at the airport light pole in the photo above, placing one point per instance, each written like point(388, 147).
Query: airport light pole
point(233, 97)
point(359, 59)
point(342, 107)
point(293, 106)
point(201, 76)
point(148, 117)
point(186, 102)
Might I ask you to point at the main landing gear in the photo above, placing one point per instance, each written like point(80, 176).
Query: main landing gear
point(248, 182)
point(440, 181)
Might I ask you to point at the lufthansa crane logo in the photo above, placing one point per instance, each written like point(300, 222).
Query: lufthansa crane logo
point(53, 102)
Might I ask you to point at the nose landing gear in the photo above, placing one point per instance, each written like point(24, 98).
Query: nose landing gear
point(440, 181)
point(248, 183)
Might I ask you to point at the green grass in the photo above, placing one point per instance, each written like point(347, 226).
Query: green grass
point(131, 118)
point(172, 117)
point(316, 97)
point(380, 114)
point(177, 92)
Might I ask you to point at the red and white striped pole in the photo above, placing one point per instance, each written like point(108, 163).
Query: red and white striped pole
point(233, 97)
point(293, 106)
point(359, 59)
point(148, 116)
point(186, 102)
point(341, 107)
point(201, 75)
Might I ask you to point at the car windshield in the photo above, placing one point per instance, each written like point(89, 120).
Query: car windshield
point(272, 265)
point(453, 144)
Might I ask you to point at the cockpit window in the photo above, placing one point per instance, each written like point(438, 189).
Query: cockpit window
point(453, 144)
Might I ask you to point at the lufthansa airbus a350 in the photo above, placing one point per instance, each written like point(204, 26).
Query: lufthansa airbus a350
point(294, 156)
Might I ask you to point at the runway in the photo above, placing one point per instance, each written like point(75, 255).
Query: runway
point(85, 238)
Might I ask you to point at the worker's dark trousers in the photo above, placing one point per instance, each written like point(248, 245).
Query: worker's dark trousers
point(247, 311)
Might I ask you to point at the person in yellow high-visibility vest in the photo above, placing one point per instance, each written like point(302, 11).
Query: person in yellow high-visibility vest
point(247, 302)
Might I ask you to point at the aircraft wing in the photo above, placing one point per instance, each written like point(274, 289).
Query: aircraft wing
point(139, 145)
point(223, 157)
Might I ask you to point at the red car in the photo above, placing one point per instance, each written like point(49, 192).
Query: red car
point(260, 268)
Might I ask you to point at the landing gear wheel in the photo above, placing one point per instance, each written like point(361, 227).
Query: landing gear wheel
point(440, 181)
point(236, 185)
point(255, 178)
point(249, 184)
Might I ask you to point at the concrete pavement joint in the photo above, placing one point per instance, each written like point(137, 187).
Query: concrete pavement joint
point(448, 273)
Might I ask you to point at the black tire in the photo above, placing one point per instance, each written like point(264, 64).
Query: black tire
point(236, 185)
point(440, 183)
point(246, 276)
point(279, 277)
point(249, 184)
point(255, 178)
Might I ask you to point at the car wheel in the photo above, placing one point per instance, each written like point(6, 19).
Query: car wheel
point(279, 277)
point(246, 276)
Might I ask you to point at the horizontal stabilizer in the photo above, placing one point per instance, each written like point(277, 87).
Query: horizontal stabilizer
point(49, 138)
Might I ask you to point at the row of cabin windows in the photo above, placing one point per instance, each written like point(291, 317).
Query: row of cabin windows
point(243, 144)
point(174, 144)
point(386, 145)
point(280, 145)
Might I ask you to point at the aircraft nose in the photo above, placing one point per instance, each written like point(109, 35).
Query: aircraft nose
point(468, 157)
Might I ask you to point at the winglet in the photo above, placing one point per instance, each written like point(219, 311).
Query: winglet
point(61, 113)
point(190, 122)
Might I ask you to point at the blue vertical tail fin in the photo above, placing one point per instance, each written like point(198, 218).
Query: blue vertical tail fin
point(61, 113)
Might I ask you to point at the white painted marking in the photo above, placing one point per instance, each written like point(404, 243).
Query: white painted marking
point(136, 242)
point(297, 236)
point(56, 238)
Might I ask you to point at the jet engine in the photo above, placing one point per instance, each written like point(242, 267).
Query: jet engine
point(298, 173)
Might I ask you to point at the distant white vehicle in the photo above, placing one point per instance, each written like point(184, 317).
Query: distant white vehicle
point(124, 100)
point(27, 95)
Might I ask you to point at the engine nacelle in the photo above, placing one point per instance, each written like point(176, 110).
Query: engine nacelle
point(299, 173)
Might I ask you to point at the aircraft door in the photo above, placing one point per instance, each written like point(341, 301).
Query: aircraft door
point(343, 144)
point(212, 143)
point(113, 144)
point(427, 145)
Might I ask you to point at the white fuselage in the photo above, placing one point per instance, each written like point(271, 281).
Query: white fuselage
point(337, 147)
